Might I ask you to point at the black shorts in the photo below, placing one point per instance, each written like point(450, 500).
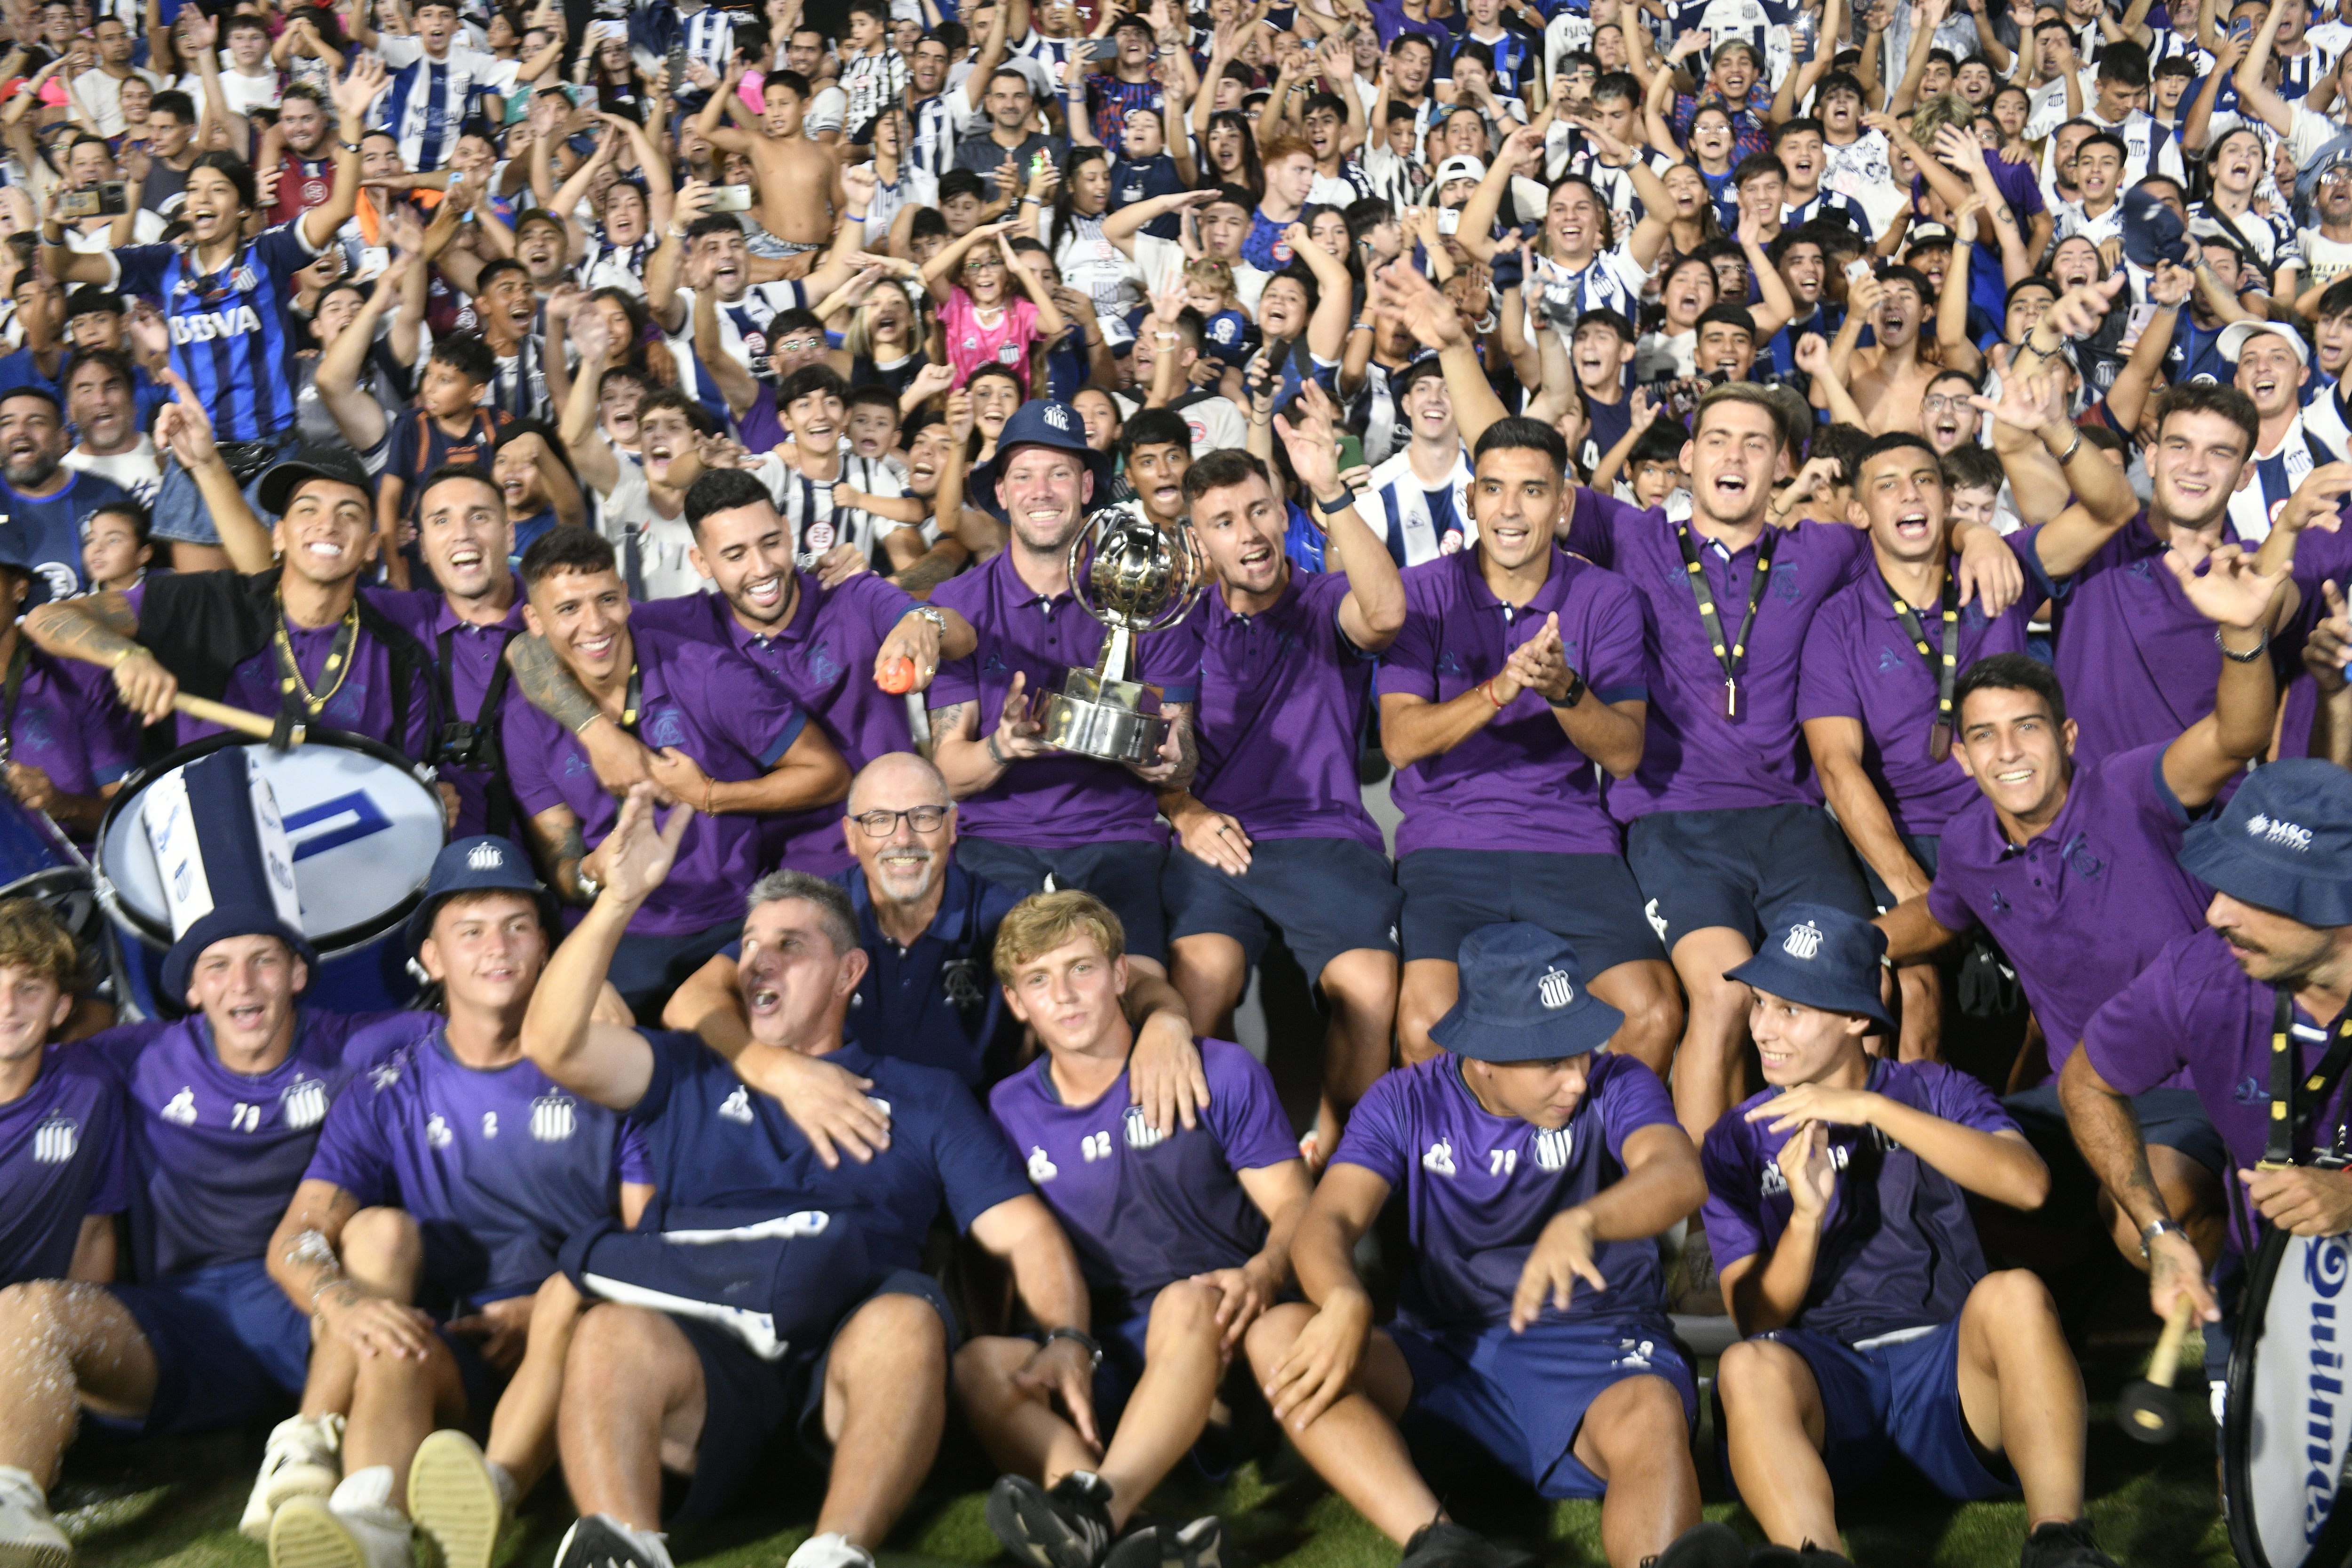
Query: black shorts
point(1325, 895)
point(1588, 900)
point(1740, 868)
point(1124, 875)
point(747, 1402)
point(1924, 848)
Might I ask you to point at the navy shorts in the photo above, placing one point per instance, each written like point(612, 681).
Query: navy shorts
point(1924, 848)
point(2168, 1118)
point(1740, 868)
point(1590, 899)
point(1124, 875)
point(1522, 1397)
point(1325, 895)
point(227, 1343)
point(1902, 1398)
point(748, 1401)
point(646, 968)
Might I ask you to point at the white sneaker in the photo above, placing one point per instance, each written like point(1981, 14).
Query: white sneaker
point(29, 1538)
point(831, 1550)
point(455, 1499)
point(301, 1460)
point(306, 1533)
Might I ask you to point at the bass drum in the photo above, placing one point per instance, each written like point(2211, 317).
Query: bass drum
point(365, 823)
point(2288, 1423)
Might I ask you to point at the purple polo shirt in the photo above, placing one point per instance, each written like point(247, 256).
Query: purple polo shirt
point(1479, 1188)
point(1520, 783)
point(1695, 758)
point(2193, 1014)
point(1060, 800)
point(824, 658)
point(1860, 663)
point(63, 1155)
point(1897, 1250)
point(1282, 700)
point(475, 652)
point(67, 724)
point(2082, 908)
point(732, 721)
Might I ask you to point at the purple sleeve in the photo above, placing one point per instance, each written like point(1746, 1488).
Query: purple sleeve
point(109, 736)
point(1591, 525)
point(1409, 667)
point(351, 1151)
point(2143, 768)
point(1171, 659)
point(1616, 656)
point(2134, 1039)
point(884, 602)
point(1946, 906)
point(632, 1158)
point(1243, 1110)
point(1630, 1098)
point(958, 679)
point(768, 720)
point(1375, 1136)
point(1825, 688)
point(1956, 1097)
point(110, 1192)
point(1735, 1226)
point(530, 741)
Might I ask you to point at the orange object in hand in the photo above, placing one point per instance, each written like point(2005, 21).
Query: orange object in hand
point(899, 677)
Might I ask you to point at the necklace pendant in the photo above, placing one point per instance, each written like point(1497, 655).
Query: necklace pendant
point(1940, 743)
point(1730, 696)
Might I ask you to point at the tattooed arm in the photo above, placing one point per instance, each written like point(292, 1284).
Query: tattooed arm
point(619, 758)
point(556, 841)
point(303, 1262)
point(933, 567)
point(103, 629)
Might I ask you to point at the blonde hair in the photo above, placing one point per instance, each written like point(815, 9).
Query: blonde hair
point(34, 940)
point(1044, 921)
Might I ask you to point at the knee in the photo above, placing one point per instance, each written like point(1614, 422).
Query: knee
point(1755, 1373)
point(1648, 1423)
point(896, 1334)
point(33, 1311)
point(1182, 1313)
point(1270, 1338)
point(382, 1239)
point(1364, 982)
point(2011, 1298)
point(608, 1338)
point(982, 1369)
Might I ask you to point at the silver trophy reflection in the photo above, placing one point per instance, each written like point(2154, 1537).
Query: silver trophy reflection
point(1134, 577)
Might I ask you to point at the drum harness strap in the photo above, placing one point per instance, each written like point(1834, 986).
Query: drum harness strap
point(2286, 1122)
point(475, 744)
point(1731, 654)
point(1939, 739)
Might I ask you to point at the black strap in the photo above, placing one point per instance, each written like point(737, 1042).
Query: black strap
point(1730, 653)
point(477, 744)
point(1939, 739)
point(2287, 1124)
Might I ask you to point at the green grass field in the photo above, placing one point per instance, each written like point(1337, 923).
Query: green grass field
point(177, 1503)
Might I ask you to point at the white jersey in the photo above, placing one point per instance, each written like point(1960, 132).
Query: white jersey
point(429, 98)
point(2326, 259)
point(817, 526)
point(652, 548)
point(139, 470)
point(743, 323)
point(1858, 167)
point(2148, 149)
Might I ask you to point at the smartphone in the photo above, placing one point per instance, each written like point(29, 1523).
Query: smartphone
point(676, 67)
point(1857, 270)
point(729, 199)
point(1347, 34)
point(1351, 453)
point(2243, 29)
point(1100, 50)
point(107, 198)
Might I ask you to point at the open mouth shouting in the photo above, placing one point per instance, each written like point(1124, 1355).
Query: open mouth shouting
point(1912, 526)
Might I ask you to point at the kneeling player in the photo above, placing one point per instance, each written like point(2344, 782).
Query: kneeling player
point(1507, 1147)
point(1184, 1240)
point(1878, 1330)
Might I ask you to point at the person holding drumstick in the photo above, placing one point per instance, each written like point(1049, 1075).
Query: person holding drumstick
point(64, 742)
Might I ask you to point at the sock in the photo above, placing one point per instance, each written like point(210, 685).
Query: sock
point(14, 1480)
point(368, 1488)
point(831, 1550)
point(502, 1478)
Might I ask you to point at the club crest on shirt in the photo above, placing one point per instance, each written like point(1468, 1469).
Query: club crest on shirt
point(737, 1107)
point(1042, 1168)
point(553, 1117)
point(959, 983)
point(436, 1131)
point(55, 1138)
point(304, 1104)
point(1138, 1130)
point(1553, 1146)
point(1438, 1160)
point(181, 1107)
point(665, 727)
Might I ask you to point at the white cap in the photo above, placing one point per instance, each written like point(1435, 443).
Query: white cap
point(2235, 336)
point(1461, 166)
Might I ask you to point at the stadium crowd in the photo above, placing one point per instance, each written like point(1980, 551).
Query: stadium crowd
point(1732, 535)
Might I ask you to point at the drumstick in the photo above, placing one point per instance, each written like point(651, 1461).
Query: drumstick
point(227, 717)
point(2148, 1408)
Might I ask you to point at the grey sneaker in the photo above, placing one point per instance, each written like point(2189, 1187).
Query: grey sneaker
point(1199, 1545)
point(1068, 1527)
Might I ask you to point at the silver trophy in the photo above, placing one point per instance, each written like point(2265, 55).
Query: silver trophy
point(1134, 577)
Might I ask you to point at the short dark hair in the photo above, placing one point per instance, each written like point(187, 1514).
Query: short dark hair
point(1613, 319)
point(1225, 467)
point(1839, 81)
point(1788, 128)
point(235, 169)
point(1842, 445)
point(43, 393)
point(143, 523)
point(698, 417)
point(2218, 398)
point(1892, 441)
point(713, 223)
point(468, 355)
point(1755, 164)
point(580, 550)
point(1972, 467)
point(1155, 428)
point(1728, 316)
point(2105, 138)
point(2010, 672)
point(1515, 433)
point(1917, 279)
point(723, 489)
point(2336, 299)
point(181, 107)
point(493, 270)
point(794, 81)
point(113, 361)
point(810, 379)
point(2122, 62)
point(1662, 442)
point(961, 183)
point(479, 473)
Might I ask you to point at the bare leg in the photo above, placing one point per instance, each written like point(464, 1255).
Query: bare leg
point(1210, 973)
point(633, 1403)
point(1923, 1012)
point(1775, 1427)
point(523, 1427)
point(1432, 986)
point(1164, 1416)
point(1646, 991)
point(396, 1403)
point(1022, 1433)
point(1355, 1446)
point(65, 1347)
point(1361, 986)
point(1708, 1073)
point(2022, 1393)
point(885, 1404)
point(2191, 1192)
point(1635, 1438)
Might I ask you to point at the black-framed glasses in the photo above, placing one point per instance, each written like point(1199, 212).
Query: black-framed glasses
point(882, 823)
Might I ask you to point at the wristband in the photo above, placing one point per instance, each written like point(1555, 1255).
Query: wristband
point(1079, 1337)
point(2154, 1229)
point(847, 217)
point(999, 758)
point(2248, 657)
point(1346, 502)
point(1486, 689)
point(1576, 689)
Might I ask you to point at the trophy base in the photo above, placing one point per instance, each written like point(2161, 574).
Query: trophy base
point(1110, 732)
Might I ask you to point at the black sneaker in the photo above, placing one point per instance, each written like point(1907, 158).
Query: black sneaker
point(2064, 1546)
point(1199, 1545)
point(596, 1541)
point(1703, 1546)
point(1446, 1545)
point(1068, 1527)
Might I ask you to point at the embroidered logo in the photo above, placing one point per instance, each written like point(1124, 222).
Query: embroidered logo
point(1773, 1184)
point(436, 1131)
point(182, 1109)
point(1802, 942)
point(304, 1104)
point(1042, 1168)
point(1634, 1353)
point(737, 1107)
point(1438, 1160)
point(1553, 1146)
point(2251, 1091)
point(485, 858)
point(1138, 1130)
point(553, 1118)
point(960, 981)
point(55, 1138)
point(1055, 416)
point(1657, 921)
point(2275, 830)
point(1555, 990)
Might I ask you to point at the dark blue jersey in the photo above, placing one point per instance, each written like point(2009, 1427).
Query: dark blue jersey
point(61, 1157)
point(232, 334)
point(50, 526)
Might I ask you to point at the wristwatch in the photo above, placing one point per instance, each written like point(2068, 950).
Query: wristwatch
point(1083, 1340)
point(938, 618)
point(1576, 689)
point(589, 886)
point(2154, 1229)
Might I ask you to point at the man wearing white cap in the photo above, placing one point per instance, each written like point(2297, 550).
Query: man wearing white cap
point(2273, 364)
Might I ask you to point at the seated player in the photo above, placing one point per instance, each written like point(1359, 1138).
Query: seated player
point(1531, 1327)
point(733, 746)
point(648, 1391)
point(1837, 1207)
point(1184, 1240)
point(458, 1169)
point(62, 1126)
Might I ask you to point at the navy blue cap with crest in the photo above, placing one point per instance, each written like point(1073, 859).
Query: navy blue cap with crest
point(2283, 844)
point(2153, 232)
point(1824, 957)
point(227, 870)
point(1523, 999)
point(482, 864)
point(1043, 422)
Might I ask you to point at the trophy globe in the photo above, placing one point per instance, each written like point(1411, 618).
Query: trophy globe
point(1135, 577)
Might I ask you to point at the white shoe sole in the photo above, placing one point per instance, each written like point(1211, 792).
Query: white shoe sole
point(34, 1554)
point(272, 1492)
point(453, 1500)
point(304, 1534)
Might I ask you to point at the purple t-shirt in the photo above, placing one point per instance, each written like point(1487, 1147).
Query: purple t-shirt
point(2085, 904)
point(823, 657)
point(1060, 800)
point(475, 653)
point(1860, 663)
point(1479, 1188)
point(216, 1155)
point(1520, 783)
point(1145, 1209)
point(69, 725)
point(63, 1155)
point(498, 1166)
point(1898, 1249)
point(1694, 757)
point(731, 720)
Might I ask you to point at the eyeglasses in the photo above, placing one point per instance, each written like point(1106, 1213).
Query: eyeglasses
point(1937, 400)
point(882, 823)
point(800, 345)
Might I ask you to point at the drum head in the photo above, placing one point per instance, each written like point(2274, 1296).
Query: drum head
point(364, 826)
point(2289, 1420)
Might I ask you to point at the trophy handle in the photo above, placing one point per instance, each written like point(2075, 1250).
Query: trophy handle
point(1196, 573)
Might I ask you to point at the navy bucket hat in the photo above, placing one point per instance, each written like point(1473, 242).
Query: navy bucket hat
point(1042, 422)
point(1523, 1000)
point(2283, 844)
point(1823, 957)
point(482, 864)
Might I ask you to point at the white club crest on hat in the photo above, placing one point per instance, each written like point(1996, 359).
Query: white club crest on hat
point(485, 858)
point(1802, 940)
point(1056, 419)
point(1555, 990)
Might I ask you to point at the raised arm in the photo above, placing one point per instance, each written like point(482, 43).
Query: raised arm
point(2240, 601)
point(1373, 612)
point(354, 94)
point(1405, 295)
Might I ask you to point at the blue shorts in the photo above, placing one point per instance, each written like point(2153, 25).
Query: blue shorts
point(180, 511)
point(226, 1342)
point(747, 1402)
point(1124, 875)
point(1590, 899)
point(1896, 1399)
point(646, 968)
point(1924, 848)
point(1522, 1397)
point(1740, 868)
point(1325, 895)
point(2168, 1118)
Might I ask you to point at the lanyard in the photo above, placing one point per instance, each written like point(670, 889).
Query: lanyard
point(292, 687)
point(2287, 1123)
point(635, 699)
point(1939, 739)
point(1732, 655)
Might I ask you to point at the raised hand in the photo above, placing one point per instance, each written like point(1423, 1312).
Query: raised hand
point(934, 379)
point(637, 857)
point(361, 87)
point(1403, 295)
point(2229, 592)
point(1311, 440)
point(1805, 1164)
point(858, 183)
point(2328, 650)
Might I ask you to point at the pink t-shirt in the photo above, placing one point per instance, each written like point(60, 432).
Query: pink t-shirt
point(972, 345)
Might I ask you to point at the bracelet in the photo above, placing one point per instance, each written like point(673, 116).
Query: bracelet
point(709, 791)
point(1078, 1337)
point(1346, 502)
point(2233, 656)
point(999, 758)
point(847, 217)
point(581, 727)
point(1487, 688)
point(2072, 447)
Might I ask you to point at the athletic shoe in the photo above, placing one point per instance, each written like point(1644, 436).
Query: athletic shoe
point(2064, 1546)
point(1068, 1527)
point(453, 1500)
point(1790, 1557)
point(29, 1538)
point(831, 1550)
point(1703, 1546)
point(1199, 1545)
point(306, 1533)
point(600, 1541)
point(1446, 1545)
point(301, 1460)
